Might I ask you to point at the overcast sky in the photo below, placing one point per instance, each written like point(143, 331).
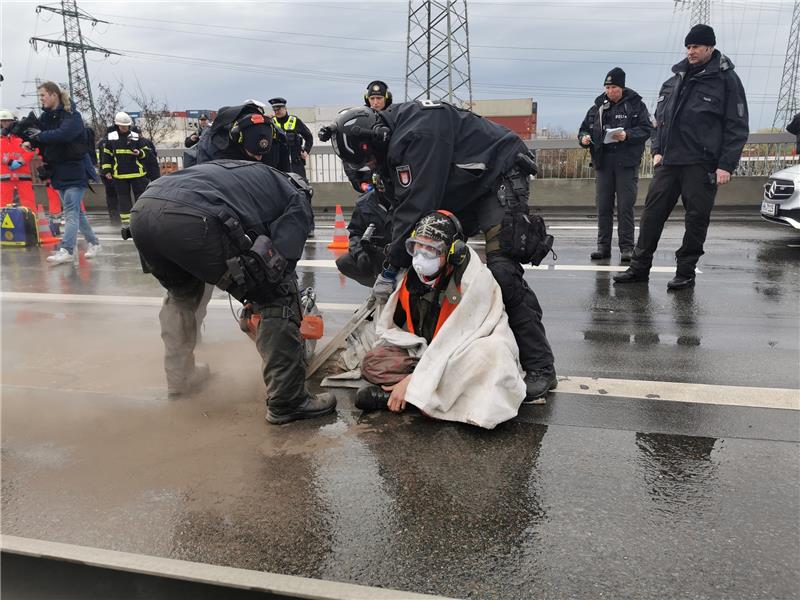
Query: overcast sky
point(209, 54)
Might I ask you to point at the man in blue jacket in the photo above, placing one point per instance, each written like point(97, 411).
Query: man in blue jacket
point(63, 143)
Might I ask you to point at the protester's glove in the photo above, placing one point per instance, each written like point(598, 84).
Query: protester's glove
point(15, 164)
point(384, 285)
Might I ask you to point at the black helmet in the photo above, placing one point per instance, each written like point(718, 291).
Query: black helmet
point(359, 134)
point(253, 132)
point(378, 88)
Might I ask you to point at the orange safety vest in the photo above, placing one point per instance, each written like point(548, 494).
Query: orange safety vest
point(444, 312)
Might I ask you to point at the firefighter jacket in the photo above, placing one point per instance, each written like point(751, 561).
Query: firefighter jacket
point(64, 147)
point(441, 157)
point(702, 116)
point(12, 150)
point(629, 113)
point(298, 136)
point(118, 157)
point(371, 208)
point(264, 200)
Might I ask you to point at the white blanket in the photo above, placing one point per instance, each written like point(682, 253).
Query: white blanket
point(470, 372)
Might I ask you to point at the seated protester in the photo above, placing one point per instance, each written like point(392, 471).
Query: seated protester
point(448, 313)
point(370, 231)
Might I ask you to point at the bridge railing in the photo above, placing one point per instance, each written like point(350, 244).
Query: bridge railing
point(763, 154)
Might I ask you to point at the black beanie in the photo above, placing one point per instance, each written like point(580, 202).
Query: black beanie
point(616, 76)
point(700, 35)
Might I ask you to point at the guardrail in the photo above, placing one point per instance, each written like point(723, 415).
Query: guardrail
point(763, 154)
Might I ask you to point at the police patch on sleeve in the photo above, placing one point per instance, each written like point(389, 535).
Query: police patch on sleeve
point(404, 175)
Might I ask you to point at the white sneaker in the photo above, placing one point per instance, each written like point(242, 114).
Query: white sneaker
point(93, 250)
point(60, 257)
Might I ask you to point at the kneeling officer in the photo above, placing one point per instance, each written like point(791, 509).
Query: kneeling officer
point(241, 226)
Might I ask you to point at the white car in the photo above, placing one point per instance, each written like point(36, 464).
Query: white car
point(781, 203)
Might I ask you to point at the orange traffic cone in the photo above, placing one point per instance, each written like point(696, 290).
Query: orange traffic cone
point(46, 236)
point(341, 238)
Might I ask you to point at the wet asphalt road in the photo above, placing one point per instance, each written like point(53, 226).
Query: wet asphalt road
point(592, 495)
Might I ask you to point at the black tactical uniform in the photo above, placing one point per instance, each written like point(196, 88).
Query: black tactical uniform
point(442, 157)
point(217, 144)
point(187, 228)
point(363, 261)
point(702, 126)
point(298, 139)
point(616, 164)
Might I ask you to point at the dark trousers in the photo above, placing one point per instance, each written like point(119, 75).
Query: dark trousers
point(522, 305)
point(185, 250)
point(364, 271)
point(697, 189)
point(111, 199)
point(126, 188)
point(620, 182)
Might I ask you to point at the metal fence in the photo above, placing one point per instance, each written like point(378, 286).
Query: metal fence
point(763, 154)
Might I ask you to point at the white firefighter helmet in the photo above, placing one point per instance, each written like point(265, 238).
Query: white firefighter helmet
point(6, 115)
point(123, 118)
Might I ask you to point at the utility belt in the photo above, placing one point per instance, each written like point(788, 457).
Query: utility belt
point(520, 235)
point(258, 267)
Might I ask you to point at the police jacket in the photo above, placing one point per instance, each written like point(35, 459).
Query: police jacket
point(794, 127)
point(263, 199)
point(118, 156)
point(372, 207)
point(298, 136)
point(702, 117)
point(630, 113)
point(216, 143)
point(64, 146)
point(440, 156)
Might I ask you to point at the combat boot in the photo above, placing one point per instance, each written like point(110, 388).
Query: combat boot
point(192, 383)
point(372, 397)
point(313, 407)
point(538, 382)
point(630, 276)
point(680, 282)
point(600, 253)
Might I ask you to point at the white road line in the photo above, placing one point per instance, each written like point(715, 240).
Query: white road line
point(136, 300)
point(696, 393)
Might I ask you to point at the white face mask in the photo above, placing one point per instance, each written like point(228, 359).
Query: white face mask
point(425, 267)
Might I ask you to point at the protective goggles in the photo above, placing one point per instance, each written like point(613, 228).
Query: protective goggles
point(428, 248)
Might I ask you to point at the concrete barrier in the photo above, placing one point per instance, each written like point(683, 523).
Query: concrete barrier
point(547, 193)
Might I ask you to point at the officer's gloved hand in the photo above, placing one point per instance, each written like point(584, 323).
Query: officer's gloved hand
point(15, 164)
point(384, 285)
point(363, 262)
point(325, 134)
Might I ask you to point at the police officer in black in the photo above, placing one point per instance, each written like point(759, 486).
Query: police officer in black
point(431, 155)
point(241, 226)
point(298, 136)
point(702, 126)
point(616, 162)
point(228, 138)
point(370, 230)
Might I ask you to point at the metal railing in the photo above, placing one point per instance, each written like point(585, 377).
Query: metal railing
point(763, 154)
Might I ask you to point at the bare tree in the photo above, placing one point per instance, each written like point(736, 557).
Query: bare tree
point(108, 104)
point(156, 119)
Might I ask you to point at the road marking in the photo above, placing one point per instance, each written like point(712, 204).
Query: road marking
point(136, 300)
point(696, 393)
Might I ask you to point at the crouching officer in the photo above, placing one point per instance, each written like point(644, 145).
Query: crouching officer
point(241, 226)
point(431, 155)
point(370, 232)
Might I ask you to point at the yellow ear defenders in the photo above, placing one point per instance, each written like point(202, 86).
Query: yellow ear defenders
point(374, 87)
point(458, 249)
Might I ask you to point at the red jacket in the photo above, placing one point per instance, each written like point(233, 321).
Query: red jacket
point(11, 149)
